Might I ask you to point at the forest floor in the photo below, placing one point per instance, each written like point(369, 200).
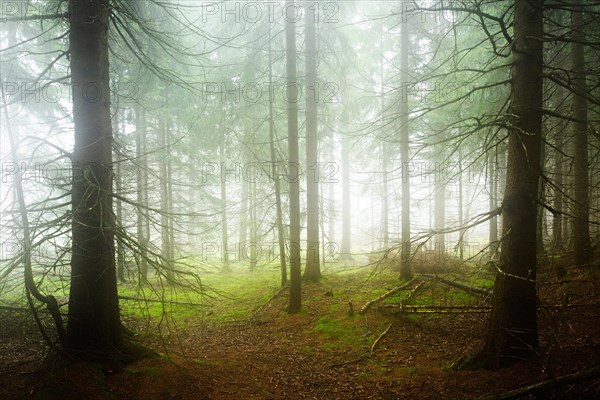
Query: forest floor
point(324, 352)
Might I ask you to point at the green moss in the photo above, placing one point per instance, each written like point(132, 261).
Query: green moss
point(337, 334)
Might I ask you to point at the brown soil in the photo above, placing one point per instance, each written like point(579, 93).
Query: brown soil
point(280, 356)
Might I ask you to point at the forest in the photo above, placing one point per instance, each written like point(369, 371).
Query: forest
point(299, 199)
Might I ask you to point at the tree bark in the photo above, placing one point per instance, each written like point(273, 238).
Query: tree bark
point(512, 332)
point(94, 325)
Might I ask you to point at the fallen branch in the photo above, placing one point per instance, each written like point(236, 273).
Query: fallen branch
point(379, 338)
point(432, 309)
point(552, 383)
point(438, 309)
point(385, 296)
point(468, 288)
point(412, 292)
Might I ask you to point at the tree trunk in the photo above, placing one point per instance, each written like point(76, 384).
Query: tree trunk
point(582, 246)
point(94, 326)
point(512, 332)
point(253, 225)
point(165, 253)
point(275, 173)
point(243, 220)
point(439, 205)
point(405, 270)
point(542, 196)
point(295, 301)
point(224, 235)
point(492, 158)
point(119, 202)
point(142, 225)
point(331, 208)
point(312, 270)
point(461, 217)
point(557, 234)
point(345, 248)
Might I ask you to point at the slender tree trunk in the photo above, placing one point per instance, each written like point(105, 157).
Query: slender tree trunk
point(345, 250)
point(253, 226)
point(492, 158)
point(164, 200)
point(439, 206)
point(385, 193)
point(295, 301)
point(275, 173)
point(512, 331)
point(461, 218)
point(331, 208)
point(557, 234)
point(118, 171)
point(405, 270)
point(224, 234)
point(542, 196)
point(142, 224)
point(94, 326)
point(243, 220)
point(582, 246)
point(312, 270)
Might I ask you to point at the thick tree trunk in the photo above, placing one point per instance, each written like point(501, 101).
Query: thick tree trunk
point(312, 270)
point(582, 246)
point(94, 326)
point(295, 301)
point(512, 331)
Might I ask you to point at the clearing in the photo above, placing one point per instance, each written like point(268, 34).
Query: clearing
point(243, 344)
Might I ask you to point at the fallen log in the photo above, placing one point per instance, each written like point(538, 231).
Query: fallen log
point(433, 309)
point(369, 303)
point(437, 309)
point(576, 377)
point(468, 288)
